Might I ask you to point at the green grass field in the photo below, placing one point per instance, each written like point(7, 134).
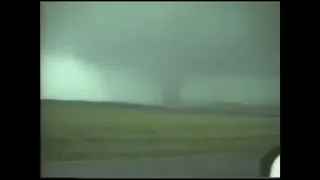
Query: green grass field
point(80, 131)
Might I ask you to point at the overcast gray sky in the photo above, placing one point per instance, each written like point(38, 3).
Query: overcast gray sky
point(132, 52)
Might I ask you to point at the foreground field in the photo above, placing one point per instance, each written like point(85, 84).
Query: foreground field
point(88, 131)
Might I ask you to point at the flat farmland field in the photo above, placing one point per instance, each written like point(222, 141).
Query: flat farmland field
point(82, 131)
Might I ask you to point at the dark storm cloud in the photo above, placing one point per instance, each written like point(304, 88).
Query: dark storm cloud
point(149, 44)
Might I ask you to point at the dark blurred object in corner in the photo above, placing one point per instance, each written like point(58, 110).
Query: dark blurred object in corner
point(267, 160)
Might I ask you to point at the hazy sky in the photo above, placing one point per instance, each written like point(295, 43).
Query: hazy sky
point(131, 52)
